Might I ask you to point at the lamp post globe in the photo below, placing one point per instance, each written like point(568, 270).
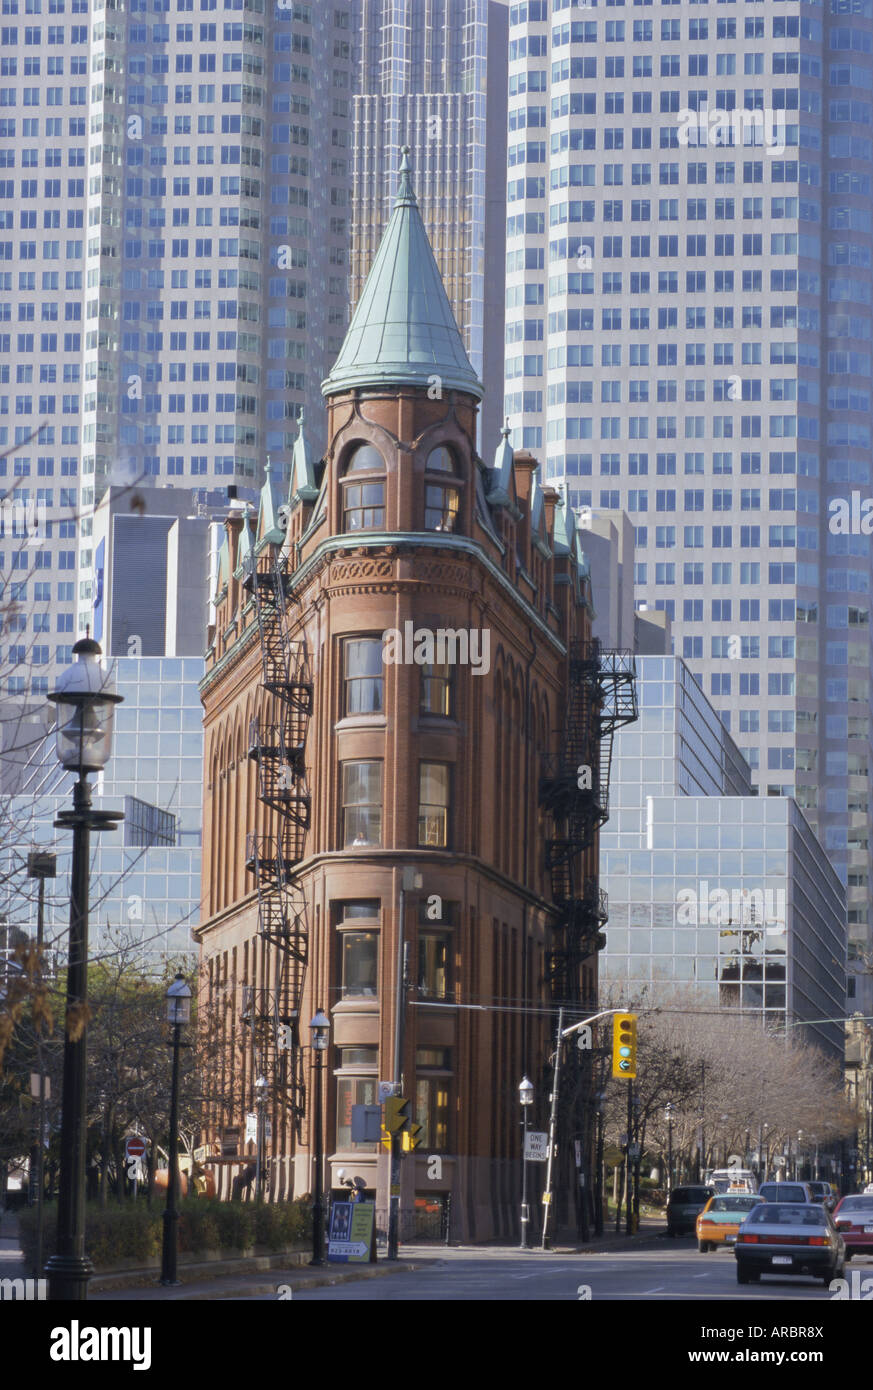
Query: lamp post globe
point(85, 697)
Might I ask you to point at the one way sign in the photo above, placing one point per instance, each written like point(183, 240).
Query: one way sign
point(536, 1146)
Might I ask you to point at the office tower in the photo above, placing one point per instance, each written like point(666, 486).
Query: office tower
point(150, 614)
point(710, 886)
point(431, 74)
point(689, 254)
point(174, 204)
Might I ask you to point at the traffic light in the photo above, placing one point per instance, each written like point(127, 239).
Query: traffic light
point(396, 1114)
point(411, 1137)
point(624, 1046)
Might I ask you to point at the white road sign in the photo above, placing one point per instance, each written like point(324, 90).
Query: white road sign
point(536, 1146)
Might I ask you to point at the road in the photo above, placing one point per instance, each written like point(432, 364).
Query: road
point(661, 1272)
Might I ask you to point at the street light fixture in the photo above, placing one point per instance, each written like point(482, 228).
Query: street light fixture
point(320, 1028)
point(178, 1014)
point(86, 697)
point(525, 1097)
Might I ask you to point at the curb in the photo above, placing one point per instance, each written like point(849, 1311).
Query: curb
point(225, 1289)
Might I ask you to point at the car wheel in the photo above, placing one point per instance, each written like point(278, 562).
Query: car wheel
point(828, 1278)
point(703, 1246)
point(742, 1276)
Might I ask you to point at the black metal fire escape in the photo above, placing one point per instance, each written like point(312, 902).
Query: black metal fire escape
point(574, 791)
point(278, 746)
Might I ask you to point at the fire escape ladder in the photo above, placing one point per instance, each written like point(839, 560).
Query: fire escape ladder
point(574, 790)
point(278, 747)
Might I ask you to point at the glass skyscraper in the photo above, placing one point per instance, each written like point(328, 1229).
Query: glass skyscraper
point(174, 228)
point(689, 338)
point(432, 74)
point(708, 884)
point(145, 877)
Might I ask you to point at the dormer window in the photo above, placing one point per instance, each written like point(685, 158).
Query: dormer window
point(364, 490)
point(442, 503)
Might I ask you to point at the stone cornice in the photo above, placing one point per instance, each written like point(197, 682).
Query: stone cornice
point(419, 540)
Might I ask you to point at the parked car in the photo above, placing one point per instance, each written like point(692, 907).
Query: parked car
point(826, 1193)
point(722, 1217)
point(853, 1218)
point(683, 1208)
point(789, 1238)
point(786, 1192)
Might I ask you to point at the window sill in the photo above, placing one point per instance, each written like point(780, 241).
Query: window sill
point(361, 721)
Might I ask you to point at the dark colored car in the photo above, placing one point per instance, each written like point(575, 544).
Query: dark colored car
point(853, 1219)
point(823, 1192)
point(789, 1238)
point(684, 1205)
point(786, 1192)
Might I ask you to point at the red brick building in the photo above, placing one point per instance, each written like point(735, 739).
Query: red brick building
point(399, 692)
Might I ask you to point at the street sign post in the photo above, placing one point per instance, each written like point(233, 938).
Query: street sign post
point(536, 1146)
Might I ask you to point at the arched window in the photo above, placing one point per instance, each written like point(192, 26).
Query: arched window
point(363, 495)
point(442, 502)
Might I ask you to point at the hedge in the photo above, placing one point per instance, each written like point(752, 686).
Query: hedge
point(134, 1231)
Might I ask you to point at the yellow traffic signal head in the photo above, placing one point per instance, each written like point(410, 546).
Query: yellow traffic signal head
point(624, 1046)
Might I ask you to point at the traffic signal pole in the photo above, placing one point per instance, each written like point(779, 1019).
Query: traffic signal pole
point(628, 1189)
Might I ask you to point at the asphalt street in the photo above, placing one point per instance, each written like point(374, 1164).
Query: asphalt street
point(664, 1272)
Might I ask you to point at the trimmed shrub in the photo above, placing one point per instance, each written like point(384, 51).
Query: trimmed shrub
point(132, 1232)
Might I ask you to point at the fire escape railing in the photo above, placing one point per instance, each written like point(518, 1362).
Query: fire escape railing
point(574, 791)
point(278, 748)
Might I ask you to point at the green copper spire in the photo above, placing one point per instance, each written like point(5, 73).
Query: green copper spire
point(403, 331)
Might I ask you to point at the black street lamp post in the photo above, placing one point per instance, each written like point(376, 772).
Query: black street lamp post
point(178, 1014)
point(525, 1096)
point(86, 698)
point(320, 1027)
point(261, 1089)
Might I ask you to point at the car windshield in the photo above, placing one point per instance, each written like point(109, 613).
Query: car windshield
point(856, 1204)
point(779, 1214)
point(734, 1203)
point(691, 1194)
point(782, 1192)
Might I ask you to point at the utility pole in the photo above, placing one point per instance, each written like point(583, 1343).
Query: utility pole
point(409, 879)
point(628, 1216)
point(553, 1120)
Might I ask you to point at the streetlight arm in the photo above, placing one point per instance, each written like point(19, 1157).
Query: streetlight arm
point(574, 1027)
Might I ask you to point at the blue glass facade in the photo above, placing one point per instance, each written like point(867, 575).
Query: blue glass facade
point(146, 893)
point(708, 884)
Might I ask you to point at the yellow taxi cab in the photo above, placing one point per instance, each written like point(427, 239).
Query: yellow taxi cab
point(722, 1217)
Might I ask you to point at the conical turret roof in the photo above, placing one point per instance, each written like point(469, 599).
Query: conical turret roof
point(403, 331)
